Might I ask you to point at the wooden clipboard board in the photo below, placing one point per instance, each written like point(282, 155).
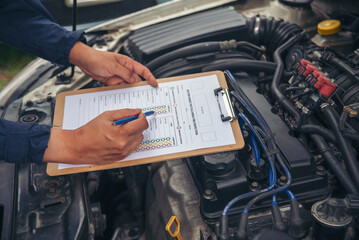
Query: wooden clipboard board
point(52, 168)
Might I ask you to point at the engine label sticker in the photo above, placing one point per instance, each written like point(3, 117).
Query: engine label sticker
point(186, 116)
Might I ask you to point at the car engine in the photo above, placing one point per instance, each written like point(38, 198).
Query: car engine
point(297, 102)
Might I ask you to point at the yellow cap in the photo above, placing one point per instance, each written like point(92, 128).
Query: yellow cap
point(328, 27)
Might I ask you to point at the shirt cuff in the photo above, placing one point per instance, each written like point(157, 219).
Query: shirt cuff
point(27, 145)
point(70, 39)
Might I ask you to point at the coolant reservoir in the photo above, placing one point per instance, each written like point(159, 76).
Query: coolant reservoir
point(330, 35)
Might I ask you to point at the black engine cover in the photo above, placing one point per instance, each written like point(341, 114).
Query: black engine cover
point(218, 187)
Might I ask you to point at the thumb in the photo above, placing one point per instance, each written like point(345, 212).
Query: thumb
point(122, 113)
point(114, 80)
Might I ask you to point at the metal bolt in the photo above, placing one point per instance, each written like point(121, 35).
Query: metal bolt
point(282, 180)
point(255, 186)
point(320, 170)
point(208, 194)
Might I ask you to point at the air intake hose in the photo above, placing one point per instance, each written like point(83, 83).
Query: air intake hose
point(270, 32)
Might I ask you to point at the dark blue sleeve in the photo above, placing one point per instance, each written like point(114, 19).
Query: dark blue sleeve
point(23, 143)
point(27, 25)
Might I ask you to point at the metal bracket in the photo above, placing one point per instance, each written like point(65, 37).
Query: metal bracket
point(227, 103)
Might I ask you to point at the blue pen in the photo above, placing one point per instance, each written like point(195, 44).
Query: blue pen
point(129, 119)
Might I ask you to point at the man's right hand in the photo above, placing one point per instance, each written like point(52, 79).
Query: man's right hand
point(99, 141)
point(108, 67)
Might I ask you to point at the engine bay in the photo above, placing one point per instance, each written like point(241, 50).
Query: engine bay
point(297, 104)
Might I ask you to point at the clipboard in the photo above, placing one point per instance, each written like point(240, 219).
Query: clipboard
point(227, 114)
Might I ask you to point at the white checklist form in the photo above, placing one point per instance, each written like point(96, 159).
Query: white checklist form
point(187, 115)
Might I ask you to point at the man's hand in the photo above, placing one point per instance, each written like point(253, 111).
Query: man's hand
point(99, 141)
point(107, 67)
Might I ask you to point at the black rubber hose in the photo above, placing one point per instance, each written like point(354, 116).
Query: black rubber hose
point(246, 66)
point(243, 44)
point(239, 64)
point(301, 94)
point(194, 49)
point(352, 136)
point(334, 164)
point(344, 144)
point(289, 89)
point(278, 223)
point(199, 48)
point(270, 32)
point(196, 63)
point(316, 129)
point(342, 120)
point(241, 233)
point(223, 228)
point(340, 64)
point(296, 226)
point(282, 100)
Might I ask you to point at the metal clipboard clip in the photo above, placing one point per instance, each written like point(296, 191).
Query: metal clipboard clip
point(227, 104)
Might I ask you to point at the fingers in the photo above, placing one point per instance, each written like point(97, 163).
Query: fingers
point(136, 77)
point(112, 68)
point(122, 113)
point(125, 146)
point(145, 73)
point(122, 72)
point(126, 139)
point(116, 156)
point(115, 80)
point(131, 128)
point(127, 135)
point(99, 141)
point(136, 67)
point(132, 147)
point(137, 126)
